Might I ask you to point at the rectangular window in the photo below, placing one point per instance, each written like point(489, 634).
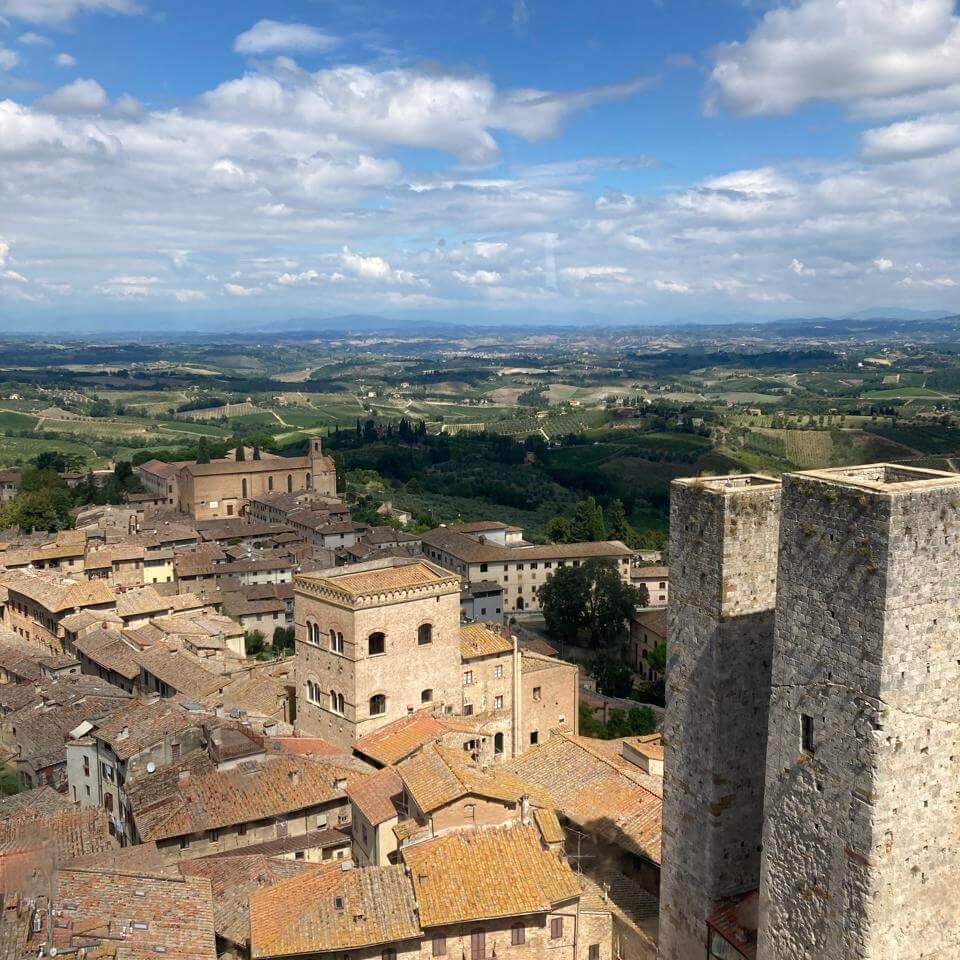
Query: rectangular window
point(498, 703)
point(556, 928)
point(468, 709)
point(806, 734)
point(483, 568)
point(439, 945)
point(536, 693)
point(497, 671)
point(534, 737)
point(517, 934)
point(467, 678)
point(594, 952)
point(478, 945)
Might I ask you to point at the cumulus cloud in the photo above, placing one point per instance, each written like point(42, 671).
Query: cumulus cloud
point(478, 278)
point(238, 290)
point(912, 138)
point(270, 36)
point(801, 269)
point(838, 50)
point(65, 60)
point(883, 264)
point(8, 58)
point(60, 11)
point(81, 96)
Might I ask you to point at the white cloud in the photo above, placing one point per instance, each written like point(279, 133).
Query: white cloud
point(839, 50)
point(4, 251)
point(883, 264)
point(65, 60)
point(298, 279)
point(923, 137)
point(271, 35)
point(489, 250)
point(238, 290)
point(31, 39)
point(127, 287)
point(189, 296)
point(372, 268)
point(59, 11)
point(801, 269)
point(8, 58)
point(479, 278)
point(618, 274)
point(81, 96)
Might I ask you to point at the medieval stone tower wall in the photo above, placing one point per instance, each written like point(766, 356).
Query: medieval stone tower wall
point(723, 562)
point(861, 851)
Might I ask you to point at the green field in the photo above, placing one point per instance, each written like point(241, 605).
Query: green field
point(16, 421)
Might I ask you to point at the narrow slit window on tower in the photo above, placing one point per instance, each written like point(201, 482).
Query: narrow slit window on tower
point(806, 734)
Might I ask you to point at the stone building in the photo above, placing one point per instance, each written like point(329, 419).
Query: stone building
point(374, 642)
point(223, 488)
point(723, 555)
point(859, 855)
point(497, 552)
point(849, 678)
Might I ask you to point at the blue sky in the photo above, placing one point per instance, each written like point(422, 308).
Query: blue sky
point(501, 160)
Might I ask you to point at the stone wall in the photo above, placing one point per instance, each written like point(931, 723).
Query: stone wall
point(860, 852)
point(723, 551)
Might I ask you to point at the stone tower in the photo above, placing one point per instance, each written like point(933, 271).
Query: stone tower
point(861, 855)
point(723, 561)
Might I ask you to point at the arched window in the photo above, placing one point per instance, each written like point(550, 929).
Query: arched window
point(336, 641)
point(243, 488)
point(313, 692)
point(425, 633)
point(426, 695)
point(336, 702)
point(376, 644)
point(308, 481)
point(311, 635)
point(378, 705)
point(498, 749)
point(289, 483)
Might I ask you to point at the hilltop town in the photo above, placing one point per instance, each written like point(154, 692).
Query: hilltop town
point(235, 721)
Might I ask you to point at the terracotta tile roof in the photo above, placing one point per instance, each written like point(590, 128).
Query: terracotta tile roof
point(140, 724)
point(233, 880)
point(133, 603)
point(487, 873)
point(301, 745)
point(333, 909)
point(375, 796)
point(57, 595)
point(107, 649)
point(549, 825)
point(439, 775)
point(66, 833)
point(180, 672)
point(394, 577)
point(736, 921)
point(478, 640)
point(167, 805)
point(653, 619)
point(175, 913)
point(601, 794)
point(531, 662)
point(471, 549)
point(40, 800)
point(326, 839)
point(399, 739)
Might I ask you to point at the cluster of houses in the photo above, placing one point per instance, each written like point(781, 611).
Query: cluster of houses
point(405, 779)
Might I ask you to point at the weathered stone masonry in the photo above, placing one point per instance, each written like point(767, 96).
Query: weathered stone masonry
point(723, 555)
point(861, 854)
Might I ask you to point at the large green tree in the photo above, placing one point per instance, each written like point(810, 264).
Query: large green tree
point(588, 522)
point(592, 598)
point(563, 599)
